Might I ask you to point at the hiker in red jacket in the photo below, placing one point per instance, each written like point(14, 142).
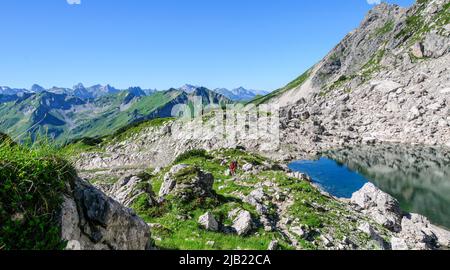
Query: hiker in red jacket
point(233, 167)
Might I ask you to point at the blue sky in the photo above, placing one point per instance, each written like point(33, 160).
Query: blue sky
point(259, 44)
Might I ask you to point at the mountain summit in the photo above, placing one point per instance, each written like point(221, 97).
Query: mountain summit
point(240, 94)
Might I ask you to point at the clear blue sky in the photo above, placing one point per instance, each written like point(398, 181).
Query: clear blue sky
point(259, 44)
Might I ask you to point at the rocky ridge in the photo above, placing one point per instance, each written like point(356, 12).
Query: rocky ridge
point(387, 81)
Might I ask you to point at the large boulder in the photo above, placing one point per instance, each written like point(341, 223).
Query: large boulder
point(90, 220)
point(187, 183)
point(129, 188)
point(242, 223)
point(385, 86)
point(436, 45)
point(209, 222)
point(169, 180)
point(382, 207)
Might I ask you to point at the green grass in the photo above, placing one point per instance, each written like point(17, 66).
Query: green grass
point(85, 145)
point(196, 153)
point(241, 156)
point(137, 128)
point(177, 221)
point(415, 25)
point(5, 139)
point(32, 181)
point(373, 65)
point(386, 28)
point(176, 232)
point(442, 18)
point(294, 84)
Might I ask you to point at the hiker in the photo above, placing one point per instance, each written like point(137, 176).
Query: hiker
point(233, 167)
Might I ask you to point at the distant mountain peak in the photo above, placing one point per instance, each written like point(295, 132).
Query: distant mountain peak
point(37, 88)
point(78, 86)
point(188, 88)
point(240, 93)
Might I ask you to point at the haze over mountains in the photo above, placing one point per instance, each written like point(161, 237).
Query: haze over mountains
point(98, 90)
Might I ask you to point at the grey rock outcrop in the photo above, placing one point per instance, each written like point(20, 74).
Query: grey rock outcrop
point(242, 223)
point(169, 180)
point(436, 45)
point(187, 183)
point(382, 207)
point(209, 222)
point(130, 188)
point(411, 231)
point(273, 245)
point(366, 228)
point(90, 220)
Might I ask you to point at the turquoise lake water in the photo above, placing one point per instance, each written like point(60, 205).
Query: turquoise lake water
point(418, 177)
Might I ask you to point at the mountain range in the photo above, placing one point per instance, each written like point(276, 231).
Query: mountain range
point(237, 94)
point(96, 91)
point(65, 114)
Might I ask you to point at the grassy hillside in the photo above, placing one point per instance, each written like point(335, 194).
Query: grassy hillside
point(119, 115)
point(294, 84)
point(88, 144)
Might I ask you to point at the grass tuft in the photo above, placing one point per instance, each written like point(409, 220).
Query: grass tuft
point(32, 181)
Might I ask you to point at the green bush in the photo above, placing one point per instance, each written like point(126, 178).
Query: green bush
point(32, 181)
point(196, 153)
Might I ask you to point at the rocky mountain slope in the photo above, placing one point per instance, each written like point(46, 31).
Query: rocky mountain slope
point(388, 80)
